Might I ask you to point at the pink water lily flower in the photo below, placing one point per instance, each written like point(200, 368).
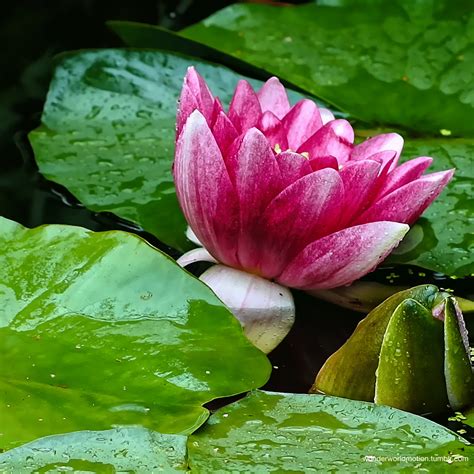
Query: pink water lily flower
point(282, 191)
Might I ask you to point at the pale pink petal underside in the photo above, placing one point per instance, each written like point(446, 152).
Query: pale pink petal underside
point(192, 237)
point(265, 309)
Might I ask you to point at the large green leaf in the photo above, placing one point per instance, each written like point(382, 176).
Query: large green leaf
point(108, 130)
point(264, 432)
point(101, 329)
point(391, 62)
point(141, 35)
point(119, 450)
point(107, 134)
point(443, 239)
point(275, 432)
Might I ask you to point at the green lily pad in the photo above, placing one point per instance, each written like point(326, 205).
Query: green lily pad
point(351, 371)
point(457, 365)
point(276, 432)
point(117, 450)
point(443, 239)
point(264, 432)
point(108, 130)
point(99, 330)
point(410, 373)
point(140, 35)
point(384, 63)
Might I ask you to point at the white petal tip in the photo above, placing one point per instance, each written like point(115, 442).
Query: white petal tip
point(196, 255)
point(193, 237)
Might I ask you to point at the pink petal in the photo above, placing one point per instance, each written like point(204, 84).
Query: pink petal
point(244, 110)
point(194, 95)
point(360, 179)
point(333, 139)
point(322, 162)
point(301, 213)
point(301, 122)
point(257, 178)
point(340, 258)
point(204, 189)
point(273, 129)
point(384, 142)
point(326, 115)
point(387, 160)
point(404, 174)
point(293, 166)
point(272, 97)
point(407, 203)
point(265, 309)
point(216, 110)
point(224, 132)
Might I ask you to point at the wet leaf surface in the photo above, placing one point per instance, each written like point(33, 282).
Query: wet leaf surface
point(117, 450)
point(100, 329)
point(263, 432)
point(308, 433)
point(397, 63)
point(443, 239)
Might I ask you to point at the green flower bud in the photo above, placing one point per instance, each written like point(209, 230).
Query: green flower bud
point(411, 352)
